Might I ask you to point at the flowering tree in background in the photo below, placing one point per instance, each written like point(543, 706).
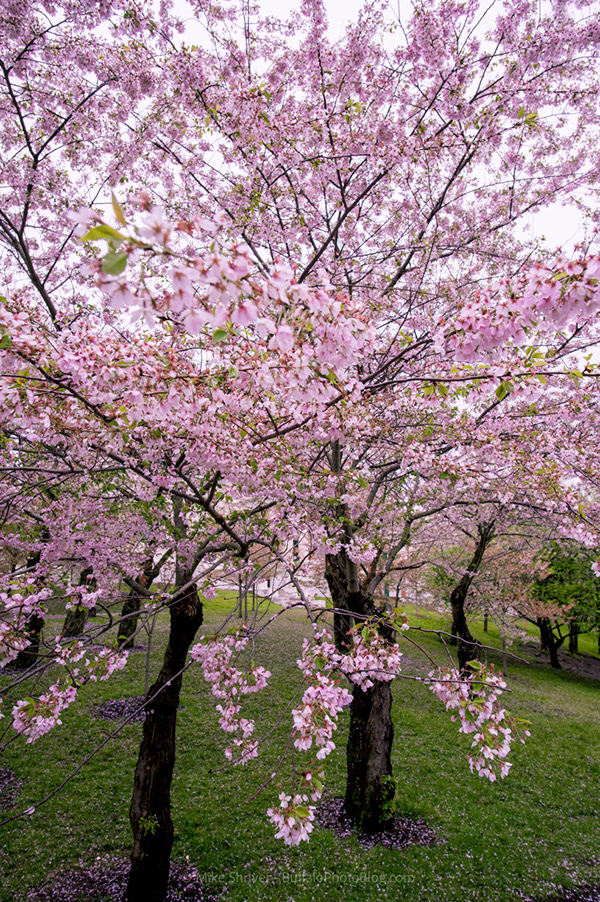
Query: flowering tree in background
point(312, 307)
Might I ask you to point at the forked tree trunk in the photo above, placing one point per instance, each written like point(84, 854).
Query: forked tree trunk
point(467, 647)
point(130, 612)
point(549, 641)
point(150, 811)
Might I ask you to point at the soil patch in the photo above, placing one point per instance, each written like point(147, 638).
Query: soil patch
point(331, 814)
point(581, 665)
point(9, 788)
point(121, 708)
point(105, 881)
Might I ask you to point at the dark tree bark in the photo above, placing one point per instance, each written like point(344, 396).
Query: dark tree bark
point(369, 782)
point(573, 637)
point(150, 811)
point(467, 647)
point(130, 611)
point(28, 657)
point(370, 788)
point(550, 641)
point(76, 618)
point(33, 625)
point(337, 580)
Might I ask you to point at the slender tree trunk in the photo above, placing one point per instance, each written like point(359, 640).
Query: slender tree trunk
point(33, 625)
point(573, 637)
point(76, 618)
point(549, 640)
point(150, 811)
point(467, 647)
point(130, 611)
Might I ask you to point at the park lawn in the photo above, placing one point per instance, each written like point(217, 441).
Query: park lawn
point(526, 835)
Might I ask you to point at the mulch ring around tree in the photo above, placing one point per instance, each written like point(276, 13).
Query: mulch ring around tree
point(121, 709)
point(331, 815)
point(106, 879)
point(9, 788)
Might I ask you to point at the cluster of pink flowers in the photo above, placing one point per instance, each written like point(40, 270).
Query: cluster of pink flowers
point(293, 819)
point(99, 664)
point(547, 298)
point(315, 718)
point(475, 699)
point(34, 717)
point(371, 658)
point(229, 683)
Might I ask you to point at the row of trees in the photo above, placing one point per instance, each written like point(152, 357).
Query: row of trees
point(307, 332)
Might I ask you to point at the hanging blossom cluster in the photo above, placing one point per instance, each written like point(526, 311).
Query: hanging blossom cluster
point(229, 684)
point(33, 717)
point(475, 700)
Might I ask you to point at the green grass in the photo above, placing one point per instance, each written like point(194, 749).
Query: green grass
point(535, 830)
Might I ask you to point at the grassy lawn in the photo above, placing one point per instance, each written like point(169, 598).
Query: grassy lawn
point(536, 830)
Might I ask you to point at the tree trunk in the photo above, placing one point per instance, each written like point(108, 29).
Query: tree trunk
point(573, 637)
point(28, 657)
point(337, 580)
point(77, 616)
point(130, 611)
point(34, 623)
point(467, 647)
point(549, 640)
point(370, 787)
point(150, 811)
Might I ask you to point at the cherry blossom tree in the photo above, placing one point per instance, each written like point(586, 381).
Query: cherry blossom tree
point(311, 299)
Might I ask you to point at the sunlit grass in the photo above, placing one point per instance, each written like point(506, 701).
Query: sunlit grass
point(535, 830)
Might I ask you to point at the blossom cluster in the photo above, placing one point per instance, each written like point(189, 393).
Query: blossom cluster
point(293, 819)
point(99, 664)
point(229, 683)
point(35, 717)
point(475, 700)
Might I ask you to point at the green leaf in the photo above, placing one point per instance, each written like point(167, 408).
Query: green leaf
point(113, 263)
point(118, 209)
point(219, 335)
point(502, 391)
point(5, 342)
point(105, 232)
point(301, 811)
